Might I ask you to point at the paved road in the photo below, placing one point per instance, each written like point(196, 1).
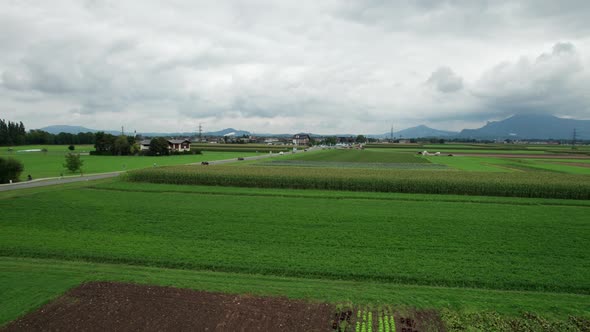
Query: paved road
point(70, 179)
point(54, 181)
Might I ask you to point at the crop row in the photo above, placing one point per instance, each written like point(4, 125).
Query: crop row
point(534, 184)
point(338, 164)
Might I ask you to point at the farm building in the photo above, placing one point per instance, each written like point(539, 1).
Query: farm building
point(173, 145)
point(301, 139)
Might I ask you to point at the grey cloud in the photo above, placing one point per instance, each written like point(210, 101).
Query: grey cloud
point(472, 18)
point(363, 63)
point(553, 83)
point(445, 80)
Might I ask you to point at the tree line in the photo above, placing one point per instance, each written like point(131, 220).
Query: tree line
point(13, 133)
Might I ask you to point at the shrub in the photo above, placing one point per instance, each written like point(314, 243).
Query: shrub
point(73, 162)
point(10, 169)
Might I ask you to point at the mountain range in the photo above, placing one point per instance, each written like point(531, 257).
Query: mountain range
point(515, 127)
point(531, 126)
point(418, 131)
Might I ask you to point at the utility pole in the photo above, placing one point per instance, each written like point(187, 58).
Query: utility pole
point(200, 132)
point(122, 131)
point(391, 134)
point(574, 140)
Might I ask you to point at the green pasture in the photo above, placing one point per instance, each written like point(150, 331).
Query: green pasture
point(50, 163)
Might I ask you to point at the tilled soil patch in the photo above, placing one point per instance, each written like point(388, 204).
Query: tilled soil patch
point(109, 306)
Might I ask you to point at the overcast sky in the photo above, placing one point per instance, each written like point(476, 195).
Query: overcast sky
point(291, 66)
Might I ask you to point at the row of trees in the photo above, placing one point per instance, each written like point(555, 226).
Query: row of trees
point(37, 136)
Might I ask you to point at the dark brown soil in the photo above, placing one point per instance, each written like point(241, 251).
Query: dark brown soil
point(108, 306)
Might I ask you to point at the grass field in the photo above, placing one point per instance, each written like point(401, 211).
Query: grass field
point(50, 163)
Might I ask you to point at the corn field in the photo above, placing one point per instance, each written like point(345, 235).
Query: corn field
point(535, 184)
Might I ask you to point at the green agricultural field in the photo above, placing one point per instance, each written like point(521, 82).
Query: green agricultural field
point(533, 149)
point(497, 164)
point(360, 156)
point(519, 184)
point(346, 158)
point(50, 163)
point(462, 253)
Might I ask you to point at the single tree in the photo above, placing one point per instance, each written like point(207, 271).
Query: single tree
point(121, 146)
point(71, 147)
point(73, 162)
point(135, 148)
point(10, 169)
point(361, 139)
point(159, 146)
